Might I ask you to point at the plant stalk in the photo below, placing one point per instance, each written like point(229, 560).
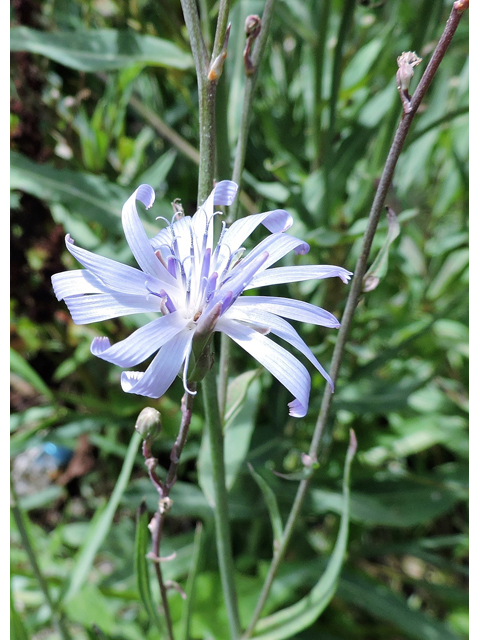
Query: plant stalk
point(356, 289)
point(250, 84)
point(222, 523)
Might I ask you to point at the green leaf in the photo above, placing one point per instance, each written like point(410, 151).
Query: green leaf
point(157, 173)
point(292, 620)
point(403, 503)
point(383, 604)
point(242, 401)
point(90, 607)
point(24, 370)
point(380, 265)
point(360, 64)
point(102, 522)
point(272, 505)
point(100, 49)
point(87, 197)
point(17, 628)
point(91, 196)
point(451, 270)
point(141, 566)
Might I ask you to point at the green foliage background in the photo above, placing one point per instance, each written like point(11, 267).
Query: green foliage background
point(90, 79)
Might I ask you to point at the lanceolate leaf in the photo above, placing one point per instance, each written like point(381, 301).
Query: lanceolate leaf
point(102, 522)
point(89, 196)
point(292, 620)
point(272, 505)
point(141, 566)
point(101, 49)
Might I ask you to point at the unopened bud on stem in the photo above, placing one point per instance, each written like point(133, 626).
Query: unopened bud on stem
point(149, 423)
point(406, 64)
point(253, 26)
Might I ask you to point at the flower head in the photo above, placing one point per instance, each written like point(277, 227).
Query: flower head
point(196, 287)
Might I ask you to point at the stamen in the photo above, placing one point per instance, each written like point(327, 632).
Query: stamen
point(185, 371)
point(168, 301)
point(158, 253)
point(222, 233)
point(211, 286)
point(162, 218)
point(171, 265)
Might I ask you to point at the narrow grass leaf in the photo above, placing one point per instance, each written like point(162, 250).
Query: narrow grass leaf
point(292, 620)
point(141, 566)
point(272, 505)
point(26, 372)
point(102, 522)
point(100, 49)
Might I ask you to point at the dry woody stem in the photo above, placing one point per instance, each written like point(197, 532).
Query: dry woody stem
point(165, 503)
point(356, 288)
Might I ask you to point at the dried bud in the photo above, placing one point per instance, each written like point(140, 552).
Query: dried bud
point(216, 68)
point(164, 505)
point(253, 25)
point(149, 423)
point(406, 63)
point(178, 209)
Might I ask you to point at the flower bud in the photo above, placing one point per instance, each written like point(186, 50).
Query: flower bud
point(406, 63)
point(253, 24)
point(149, 423)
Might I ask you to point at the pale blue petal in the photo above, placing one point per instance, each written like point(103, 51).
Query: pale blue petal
point(283, 275)
point(103, 306)
point(277, 245)
point(225, 192)
point(275, 221)
point(240, 277)
point(162, 371)
point(182, 237)
point(141, 343)
point(74, 283)
point(115, 275)
point(137, 238)
point(281, 364)
point(289, 308)
point(280, 328)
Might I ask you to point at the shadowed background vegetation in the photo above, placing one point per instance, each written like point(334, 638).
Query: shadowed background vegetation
point(103, 98)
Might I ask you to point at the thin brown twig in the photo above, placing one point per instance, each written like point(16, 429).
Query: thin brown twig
point(165, 503)
point(356, 289)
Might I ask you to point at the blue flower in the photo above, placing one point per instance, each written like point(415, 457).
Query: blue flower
point(196, 287)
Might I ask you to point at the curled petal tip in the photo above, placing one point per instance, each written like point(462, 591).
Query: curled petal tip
point(129, 378)
point(146, 195)
point(345, 276)
point(302, 249)
point(99, 345)
point(225, 192)
point(297, 409)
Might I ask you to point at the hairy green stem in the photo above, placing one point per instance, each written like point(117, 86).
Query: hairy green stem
point(239, 163)
point(221, 30)
point(354, 295)
point(206, 100)
point(222, 523)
